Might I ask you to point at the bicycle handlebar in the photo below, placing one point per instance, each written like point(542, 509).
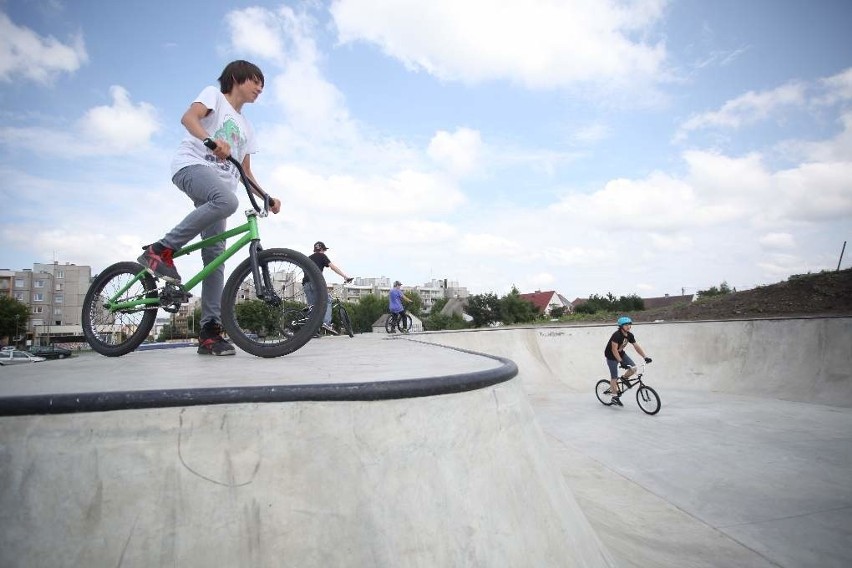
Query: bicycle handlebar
point(247, 183)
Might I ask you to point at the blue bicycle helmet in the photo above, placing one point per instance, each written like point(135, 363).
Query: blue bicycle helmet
point(624, 320)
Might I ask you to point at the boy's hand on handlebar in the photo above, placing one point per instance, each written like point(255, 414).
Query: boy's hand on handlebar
point(274, 205)
point(647, 359)
point(220, 148)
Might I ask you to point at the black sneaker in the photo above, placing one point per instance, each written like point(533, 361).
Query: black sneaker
point(211, 342)
point(158, 260)
point(616, 401)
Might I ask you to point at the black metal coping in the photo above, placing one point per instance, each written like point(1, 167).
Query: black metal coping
point(342, 392)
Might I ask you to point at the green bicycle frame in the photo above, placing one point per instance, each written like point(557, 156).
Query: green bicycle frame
point(251, 233)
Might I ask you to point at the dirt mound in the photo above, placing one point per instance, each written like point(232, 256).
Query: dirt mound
point(825, 293)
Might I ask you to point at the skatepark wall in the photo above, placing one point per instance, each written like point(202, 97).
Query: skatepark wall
point(451, 480)
point(802, 360)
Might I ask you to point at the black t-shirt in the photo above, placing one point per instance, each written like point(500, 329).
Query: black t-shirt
point(622, 339)
point(320, 259)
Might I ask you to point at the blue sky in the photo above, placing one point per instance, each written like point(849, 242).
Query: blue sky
point(640, 146)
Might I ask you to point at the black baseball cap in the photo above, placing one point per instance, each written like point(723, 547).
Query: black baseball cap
point(319, 245)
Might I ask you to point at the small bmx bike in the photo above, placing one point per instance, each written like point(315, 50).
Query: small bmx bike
point(646, 397)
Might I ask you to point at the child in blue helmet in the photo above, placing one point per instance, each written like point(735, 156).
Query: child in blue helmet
point(615, 355)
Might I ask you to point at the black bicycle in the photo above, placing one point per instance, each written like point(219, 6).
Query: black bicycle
point(395, 322)
point(340, 318)
point(297, 317)
point(646, 397)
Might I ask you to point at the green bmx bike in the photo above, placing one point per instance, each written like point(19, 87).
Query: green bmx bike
point(122, 302)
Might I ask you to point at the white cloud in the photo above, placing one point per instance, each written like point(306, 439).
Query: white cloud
point(122, 126)
point(25, 54)
point(591, 133)
point(458, 151)
point(255, 32)
point(838, 88)
point(536, 43)
point(116, 129)
point(405, 193)
point(777, 241)
point(746, 109)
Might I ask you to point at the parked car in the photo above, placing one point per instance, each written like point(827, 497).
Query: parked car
point(50, 351)
point(15, 357)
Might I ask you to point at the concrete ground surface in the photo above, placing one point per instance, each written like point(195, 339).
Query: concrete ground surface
point(452, 478)
point(747, 463)
point(718, 477)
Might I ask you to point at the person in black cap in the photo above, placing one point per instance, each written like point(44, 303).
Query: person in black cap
point(322, 261)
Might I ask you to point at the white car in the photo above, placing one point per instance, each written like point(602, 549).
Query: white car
point(15, 357)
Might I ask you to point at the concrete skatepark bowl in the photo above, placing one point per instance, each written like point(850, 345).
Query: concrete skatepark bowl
point(417, 452)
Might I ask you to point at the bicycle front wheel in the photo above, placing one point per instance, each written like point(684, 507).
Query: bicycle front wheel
point(405, 323)
point(648, 400)
point(281, 321)
point(116, 332)
point(345, 322)
point(604, 392)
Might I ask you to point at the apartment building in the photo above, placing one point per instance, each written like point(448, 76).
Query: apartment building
point(54, 294)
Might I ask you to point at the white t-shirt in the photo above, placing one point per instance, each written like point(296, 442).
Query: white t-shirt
point(223, 123)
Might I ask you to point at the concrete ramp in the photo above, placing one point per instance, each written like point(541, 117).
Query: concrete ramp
point(747, 464)
point(803, 360)
point(454, 478)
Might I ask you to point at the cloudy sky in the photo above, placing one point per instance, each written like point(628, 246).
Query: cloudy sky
point(584, 146)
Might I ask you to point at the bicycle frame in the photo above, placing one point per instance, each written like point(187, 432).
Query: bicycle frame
point(251, 236)
point(634, 380)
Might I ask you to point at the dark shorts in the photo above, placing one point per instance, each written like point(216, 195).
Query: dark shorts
point(613, 365)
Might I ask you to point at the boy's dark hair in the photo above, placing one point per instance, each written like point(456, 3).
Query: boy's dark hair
point(238, 72)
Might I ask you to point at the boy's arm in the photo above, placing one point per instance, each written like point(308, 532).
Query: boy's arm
point(641, 352)
point(338, 270)
point(191, 120)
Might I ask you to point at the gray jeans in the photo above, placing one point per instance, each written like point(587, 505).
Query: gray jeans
point(214, 202)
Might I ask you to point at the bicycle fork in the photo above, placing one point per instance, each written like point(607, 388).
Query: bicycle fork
point(263, 285)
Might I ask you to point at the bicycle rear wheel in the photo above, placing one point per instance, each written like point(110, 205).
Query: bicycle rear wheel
point(604, 392)
point(405, 323)
point(281, 322)
point(118, 332)
point(390, 324)
point(345, 322)
point(648, 400)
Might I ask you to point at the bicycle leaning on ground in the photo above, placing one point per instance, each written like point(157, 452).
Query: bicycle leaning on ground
point(395, 322)
point(339, 314)
point(646, 397)
point(122, 302)
point(296, 318)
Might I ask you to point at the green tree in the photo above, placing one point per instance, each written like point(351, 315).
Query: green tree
point(484, 309)
point(13, 318)
point(415, 306)
point(514, 309)
point(166, 333)
point(254, 316)
point(610, 303)
point(368, 309)
point(438, 321)
point(714, 291)
point(439, 305)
